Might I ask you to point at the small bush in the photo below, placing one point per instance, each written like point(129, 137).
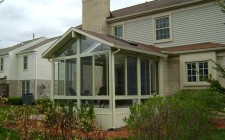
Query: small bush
point(15, 100)
point(184, 115)
point(42, 101)
point(43, 104)
point(3, 100)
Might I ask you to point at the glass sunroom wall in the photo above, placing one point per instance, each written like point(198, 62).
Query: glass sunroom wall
point(71, 76)
point(86, 66)
point(101, 70)
point(86, 76)
point(68, 49)
point(59, 77)
point(136, 77)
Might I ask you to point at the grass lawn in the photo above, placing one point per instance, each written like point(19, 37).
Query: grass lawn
point(218, 134)
point(8, 134)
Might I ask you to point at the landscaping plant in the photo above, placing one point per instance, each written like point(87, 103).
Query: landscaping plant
point(184, 115)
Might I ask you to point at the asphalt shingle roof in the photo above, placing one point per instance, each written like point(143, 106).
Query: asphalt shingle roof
point(199, 46)
point(147, 6)
point(9, 49)
point(118, 41)
point(40, 44)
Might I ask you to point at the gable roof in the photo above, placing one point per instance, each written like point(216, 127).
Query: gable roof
point(40, 44)
point(151, 7)
point(121, 42)
point(194, 48)
point(109, 40)
point(9, 49)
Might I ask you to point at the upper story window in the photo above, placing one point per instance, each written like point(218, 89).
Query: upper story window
point(197, 71)
point(162, 27)
point(25, 63)
point(1, 64)
point(118, 31)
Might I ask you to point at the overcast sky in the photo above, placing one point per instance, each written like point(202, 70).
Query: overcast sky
point(19, 19)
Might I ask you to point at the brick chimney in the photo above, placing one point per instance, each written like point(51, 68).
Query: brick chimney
point(94, 14)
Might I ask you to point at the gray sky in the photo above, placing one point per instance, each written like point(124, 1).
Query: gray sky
point(19, 19)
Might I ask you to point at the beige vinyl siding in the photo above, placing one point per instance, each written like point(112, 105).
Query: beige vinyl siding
point(28, 74)
point(5, 71)
point(139, 31)
point(196, 24)
point(110, 30)
point(13, 64)
point(43, 65)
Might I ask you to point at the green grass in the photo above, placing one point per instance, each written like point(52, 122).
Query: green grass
point(218, 134)
point(8, 134)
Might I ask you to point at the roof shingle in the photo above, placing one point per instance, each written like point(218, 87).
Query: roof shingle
point(199, 46)
point(9, 49)
point(118, 41)
point(147, 6)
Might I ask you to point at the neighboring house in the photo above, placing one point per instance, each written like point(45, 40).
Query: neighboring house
point(24, 71)
point(123, 57)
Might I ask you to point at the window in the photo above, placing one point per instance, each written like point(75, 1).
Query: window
point(149, 77)
point(132, 75)
point(86, 76)
point(1, 64)
point(162, 28)
point(71, 77)
point(197, 71)
point(118, 31)
point(25, 87)
point(25, 63)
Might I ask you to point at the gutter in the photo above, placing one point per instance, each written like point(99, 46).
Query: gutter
point(4, 54)
point(144, 13)
point(36, 72)
point(23, 52)
point(160, 54)
point(193, 51)
point(113, 86)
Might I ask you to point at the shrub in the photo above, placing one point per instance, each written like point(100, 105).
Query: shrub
point(211, 99)
point(3, 100)
point(15, 100)
point(42, 101)
point(43, 105)
point(184, 115)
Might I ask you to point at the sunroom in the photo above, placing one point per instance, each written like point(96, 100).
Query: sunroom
point(104, 71)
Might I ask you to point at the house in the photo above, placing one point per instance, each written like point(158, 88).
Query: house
point(123, 57)
point(24, 71)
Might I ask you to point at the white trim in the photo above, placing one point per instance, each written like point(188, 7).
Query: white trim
point(57, 44)
point(197, 57)
point(25, 69)
point(154, 28)
point(118, 25)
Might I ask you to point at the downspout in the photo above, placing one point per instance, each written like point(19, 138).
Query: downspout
point(113, 88)
point(35, 97)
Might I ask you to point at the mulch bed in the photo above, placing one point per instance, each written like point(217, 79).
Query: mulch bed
point(123, 132)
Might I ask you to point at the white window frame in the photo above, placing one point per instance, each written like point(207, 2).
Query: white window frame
point(1, 64)
point(27, 88)
point(197, 71)
point(25, 62)
point(170, 28)
point(114, 27)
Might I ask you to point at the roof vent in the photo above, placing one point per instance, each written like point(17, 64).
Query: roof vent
point(133, 43)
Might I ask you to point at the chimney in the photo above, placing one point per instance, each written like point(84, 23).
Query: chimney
point(94, 14)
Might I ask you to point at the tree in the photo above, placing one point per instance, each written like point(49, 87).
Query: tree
point(221, 4)
point(215, 84)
